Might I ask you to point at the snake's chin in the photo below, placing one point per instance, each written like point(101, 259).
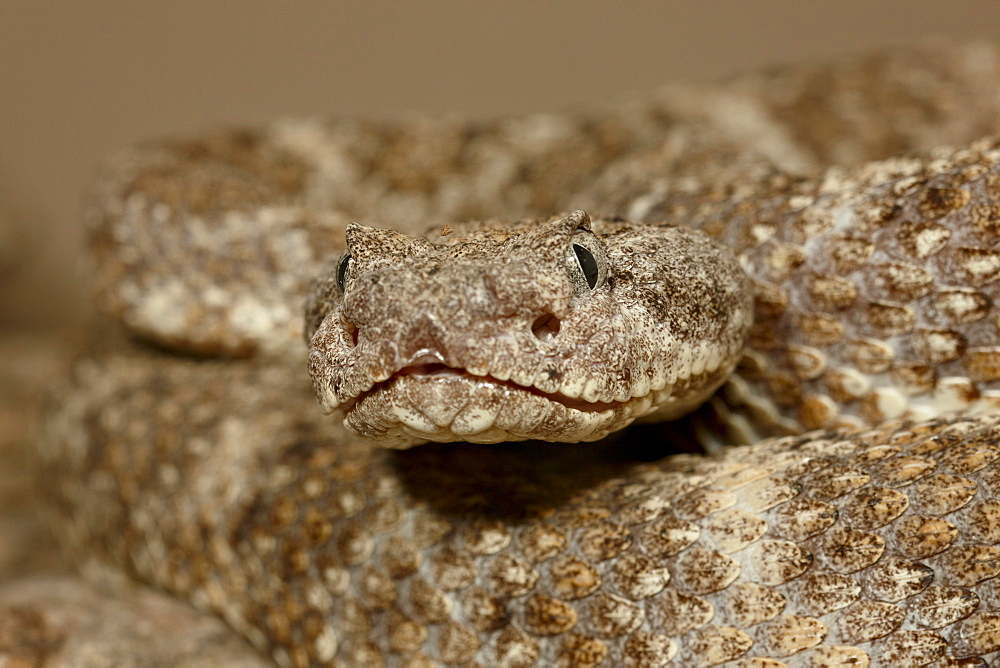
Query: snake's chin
point(441, 404)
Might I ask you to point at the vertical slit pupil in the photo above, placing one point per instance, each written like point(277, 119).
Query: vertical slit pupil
point(587, 264)
point(342, 271)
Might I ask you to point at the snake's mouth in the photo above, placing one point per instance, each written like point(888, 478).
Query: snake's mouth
point(439, 372)
point(435, 402)
point(441, 404)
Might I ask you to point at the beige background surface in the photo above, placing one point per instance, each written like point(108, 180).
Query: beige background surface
point(81, 78)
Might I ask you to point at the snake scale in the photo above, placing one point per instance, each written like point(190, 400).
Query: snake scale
point(842, 282)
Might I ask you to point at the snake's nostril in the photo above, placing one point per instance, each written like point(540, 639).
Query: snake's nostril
point(351, 330)
point(545, 327)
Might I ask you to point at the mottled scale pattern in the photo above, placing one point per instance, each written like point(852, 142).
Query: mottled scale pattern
point(877, 548)
point(875, 288)
point(875, 275)
point(207, 244)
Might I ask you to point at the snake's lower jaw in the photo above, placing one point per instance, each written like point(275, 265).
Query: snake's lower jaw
point(408, 410)
point(411, 409)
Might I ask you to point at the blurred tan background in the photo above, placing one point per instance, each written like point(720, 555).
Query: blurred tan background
point(80, 79)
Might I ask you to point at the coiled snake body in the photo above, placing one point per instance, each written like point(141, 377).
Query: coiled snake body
point(861, 300)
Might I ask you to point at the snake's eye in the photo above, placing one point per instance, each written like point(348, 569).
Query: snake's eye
point(343, 268)
point(588, 265)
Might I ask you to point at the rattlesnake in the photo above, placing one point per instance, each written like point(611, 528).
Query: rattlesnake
point(202, 465)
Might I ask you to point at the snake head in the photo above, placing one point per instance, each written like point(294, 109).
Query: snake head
point(563, 329)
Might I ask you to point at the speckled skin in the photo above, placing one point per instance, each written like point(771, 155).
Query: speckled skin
point(492, 333)
point(208, 244)
point(881, 546)
point(874, 289)
point(874, 295)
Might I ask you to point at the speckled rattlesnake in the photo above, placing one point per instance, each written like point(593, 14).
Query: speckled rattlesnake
point(214, 477)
